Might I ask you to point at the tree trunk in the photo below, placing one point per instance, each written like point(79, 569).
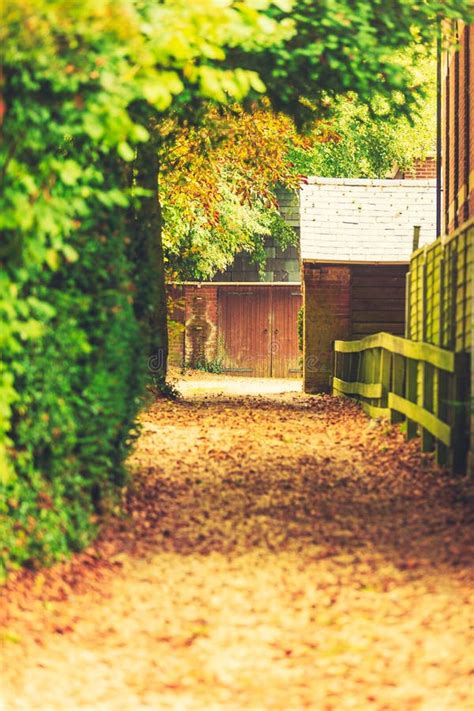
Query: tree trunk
point(151, 306)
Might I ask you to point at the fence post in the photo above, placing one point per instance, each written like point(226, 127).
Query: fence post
point(442, 297)
point(374, 364)
point(442, 452)
point(365, 366)
point(458, 413)
point(423, 299)
point(416, 237)
point(408, 282)
point(411, 386)
point(398, 382)
point(452, 301)
point(426, 401)
point(337, 360)
point(385, 375)
point(425, 372)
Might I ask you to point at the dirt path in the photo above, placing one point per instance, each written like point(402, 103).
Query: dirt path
point(282, 552)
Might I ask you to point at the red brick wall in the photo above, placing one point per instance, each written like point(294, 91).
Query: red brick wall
point(176, 318)
point(457, 126)
point(326, 294)
point(422, 170)
point(458, 130)
point(469, 42)
point(201, 323)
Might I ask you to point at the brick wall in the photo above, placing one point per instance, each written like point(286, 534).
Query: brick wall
point(422, 170)
point(458, 129)
point(326, 298)
point(176, 317)
point(201, 323)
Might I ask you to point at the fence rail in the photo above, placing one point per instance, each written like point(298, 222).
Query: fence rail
point(414, 382)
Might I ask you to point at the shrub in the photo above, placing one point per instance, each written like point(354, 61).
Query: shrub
point(209, 366)
point(300, 326)
point(71, 355)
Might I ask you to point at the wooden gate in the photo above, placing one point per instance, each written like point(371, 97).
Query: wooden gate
point(257, 330)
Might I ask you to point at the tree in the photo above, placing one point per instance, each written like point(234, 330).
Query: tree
point(360, 142)
point(349, 46)
point(217, 186)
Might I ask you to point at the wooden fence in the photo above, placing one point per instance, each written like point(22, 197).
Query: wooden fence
point(418, 383)
point(440, 291)
point(425, 378)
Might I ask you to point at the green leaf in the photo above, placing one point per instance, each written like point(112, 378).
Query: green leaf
point(70, 172)
point(125, 151)
point(93, 126)
point(69, 253)
point(52, 259)
point(140, 134)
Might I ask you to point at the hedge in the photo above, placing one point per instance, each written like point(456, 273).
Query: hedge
point(71, 352)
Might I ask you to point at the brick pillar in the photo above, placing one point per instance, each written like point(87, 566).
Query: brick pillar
point(200, 323)
point(175, 298)
point(326, 293)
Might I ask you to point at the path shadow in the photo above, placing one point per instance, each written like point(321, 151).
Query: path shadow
point(412, 513)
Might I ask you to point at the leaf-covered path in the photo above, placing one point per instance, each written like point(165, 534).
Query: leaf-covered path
point(281, 552)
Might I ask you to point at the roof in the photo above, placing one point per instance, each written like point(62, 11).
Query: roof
point(362, 220)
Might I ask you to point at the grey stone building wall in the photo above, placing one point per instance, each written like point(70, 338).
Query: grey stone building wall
point(281, 265)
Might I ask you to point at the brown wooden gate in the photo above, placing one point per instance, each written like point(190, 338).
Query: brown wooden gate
point(257, 330)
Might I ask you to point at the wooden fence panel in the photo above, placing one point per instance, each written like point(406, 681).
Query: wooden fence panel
point(439, 292)
point(439, 311)
point(418, 382)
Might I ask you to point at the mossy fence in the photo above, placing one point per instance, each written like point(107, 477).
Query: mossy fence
point(424, 379)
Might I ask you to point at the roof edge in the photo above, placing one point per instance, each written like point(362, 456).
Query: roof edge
point(313, 260)
point(370, 182)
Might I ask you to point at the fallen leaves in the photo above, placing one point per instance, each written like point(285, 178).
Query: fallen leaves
point(278, 552)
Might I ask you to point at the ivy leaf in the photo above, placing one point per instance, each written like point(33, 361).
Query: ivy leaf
point(125, 151)
point(70, 172)
point(70, 253)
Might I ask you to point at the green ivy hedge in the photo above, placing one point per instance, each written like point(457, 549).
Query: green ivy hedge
point(72, 362)
point(77, 388)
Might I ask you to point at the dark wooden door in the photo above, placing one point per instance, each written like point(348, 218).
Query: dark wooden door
point(257, 330)
point(378, 299)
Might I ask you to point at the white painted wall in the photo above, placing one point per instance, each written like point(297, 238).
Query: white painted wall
point(365, 220)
